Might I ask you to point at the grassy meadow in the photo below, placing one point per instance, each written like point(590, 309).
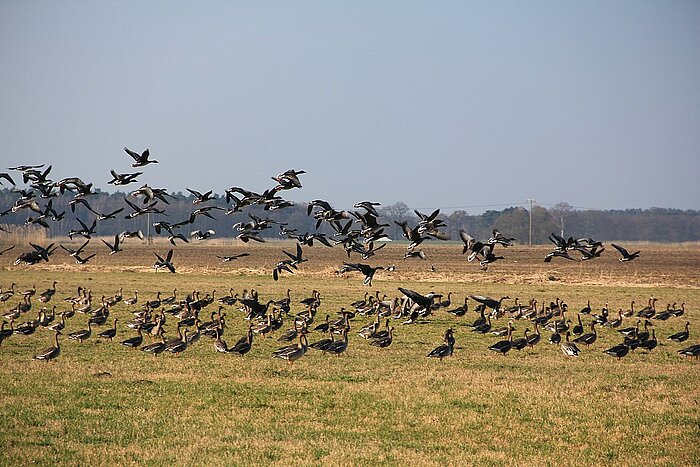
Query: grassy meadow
point(102, 403)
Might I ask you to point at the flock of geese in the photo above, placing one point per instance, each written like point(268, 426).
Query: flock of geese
point(360, 232)
point(151, 320)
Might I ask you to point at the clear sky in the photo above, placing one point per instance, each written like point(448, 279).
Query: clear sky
point(436, 104)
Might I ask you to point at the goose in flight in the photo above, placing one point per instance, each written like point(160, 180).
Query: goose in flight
point(429, 225)
point(288, 180)
point(233, 257)
point(489, 302)
point(470, 244)
point(365, 252)
point(7, 249)
point(558, 253)
point(200, 197)
point(283, 265)
point(137, 211)
point(199, 235)
point(50, 211)
point(24, 168)
point(39, 178)
point(594, 252)
point(99, 216)
point(162, 225)
point(79, 260)
point(424, 302)
point(626, 255)
point(296, 259)
point(369, 206)
point(411, 234)
point(123, 179)
point(204, 211)
point(306, 238)
point(498, 237)
point(81, 188)
point(134, 234)
point(367, 270)
point(113, 248)
point(72, 252)
point(85, 231)
point(7, 177)
point(247, 235)
point(142, 159)
point(414, 254)
point(149, 194)
point(164, 263)
point(489, 256)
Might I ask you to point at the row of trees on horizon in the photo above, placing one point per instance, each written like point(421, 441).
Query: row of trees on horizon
point(655, 224)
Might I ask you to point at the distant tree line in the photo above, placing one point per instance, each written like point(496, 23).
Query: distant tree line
point(655, 224)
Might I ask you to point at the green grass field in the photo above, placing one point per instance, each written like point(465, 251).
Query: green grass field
point(101, 402)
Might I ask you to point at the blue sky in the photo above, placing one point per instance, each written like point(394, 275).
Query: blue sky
point(436, 104)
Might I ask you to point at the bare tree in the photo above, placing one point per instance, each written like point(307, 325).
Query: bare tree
point(560, 212)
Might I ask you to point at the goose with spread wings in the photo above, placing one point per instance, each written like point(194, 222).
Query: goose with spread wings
point(626, 255)
point(367, 270)
point(166, 263)
point(142, 159)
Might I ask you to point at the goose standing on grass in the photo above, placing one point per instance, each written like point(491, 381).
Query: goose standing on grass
point(133, 300)
point(460, 310)
point(446, 349)
point(47, 294)
point(692, 351)
point(679, 311)
point(219, 345)
point(650, 344)
point(6, 333)
point(681, 336)
point(535, 338)
point(5, 296)
point(504, 346)
point(578, 329)
point(569, 348)
point(521, 343)
point(341, 346)
point(60, 325)
point(384, 341)
point(588, 338)
point(50, 353)
point(294, 353)
point(81, 335)
point(134, 342)
point(156, 348)
point(111, 332)
point(178, 346)
point(619, 350)
point(323, 343)
point(244, 344)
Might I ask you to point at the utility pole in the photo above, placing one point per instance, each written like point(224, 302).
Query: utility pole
point(530, 201)
point(149, 240)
